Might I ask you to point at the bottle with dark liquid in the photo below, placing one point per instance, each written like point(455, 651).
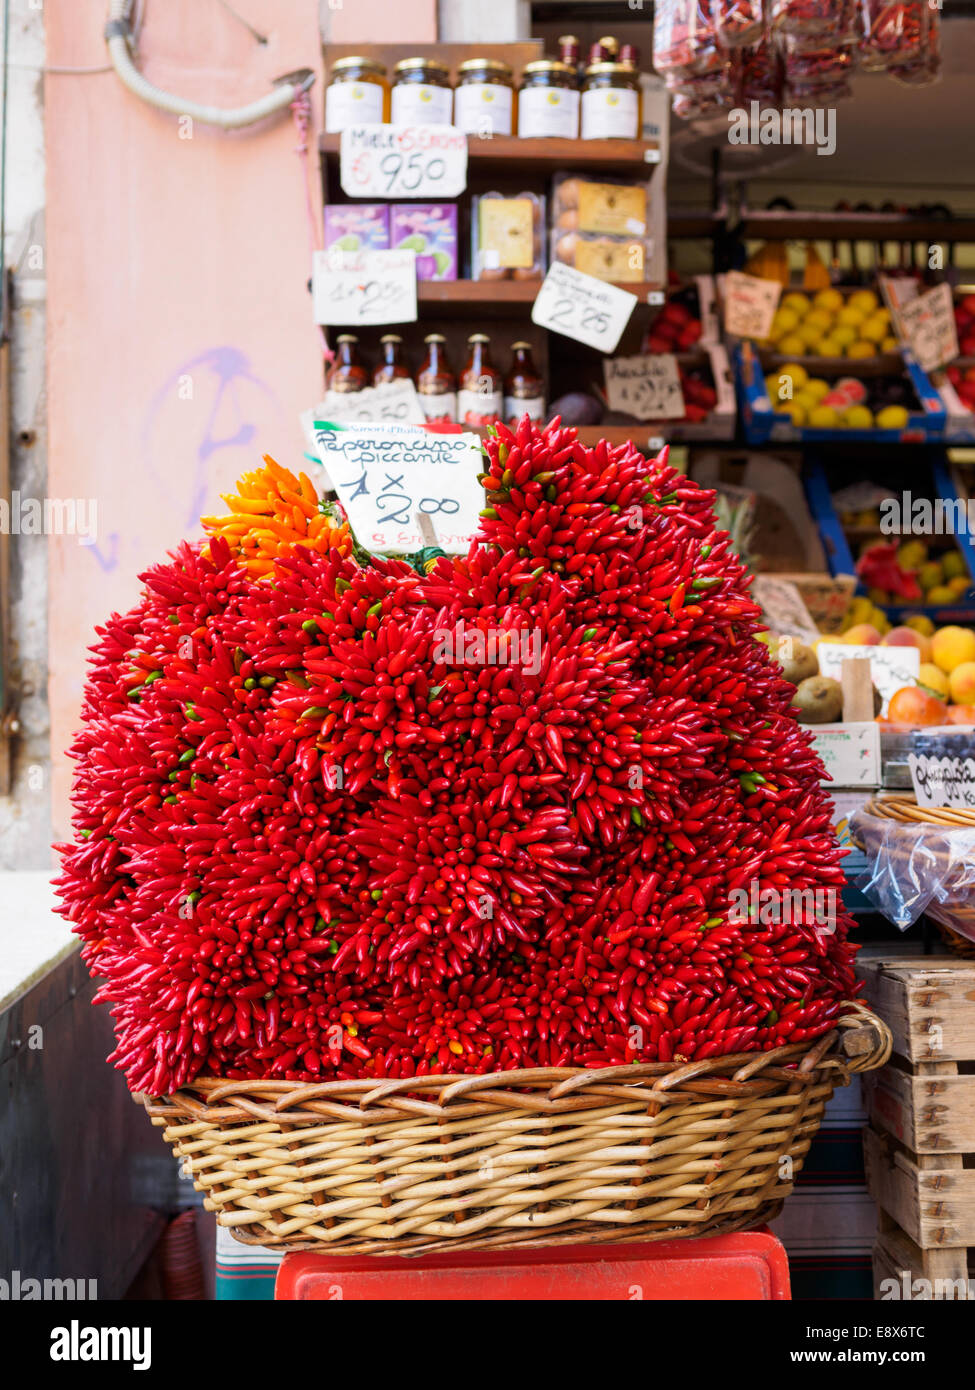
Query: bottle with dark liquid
point(480, 400)
point(393, 362)
point(436, 384)
point(524, 390)
point(348, 372)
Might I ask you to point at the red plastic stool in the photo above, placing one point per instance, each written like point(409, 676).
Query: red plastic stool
point(748, 1265)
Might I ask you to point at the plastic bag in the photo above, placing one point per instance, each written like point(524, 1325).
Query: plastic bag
point(823, 19)
point(893, 34)
point(759, 75)
point(684, 39)
point(917, 868)
point(738, 23)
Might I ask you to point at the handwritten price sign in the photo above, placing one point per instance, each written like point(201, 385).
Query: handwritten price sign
point(928, 323)
point(646, 387)
point(749, 304)
point(403, 161)
point(364, 287)
point(385, 475)
point(942, 781)
point(392, 402)
point(582, 307)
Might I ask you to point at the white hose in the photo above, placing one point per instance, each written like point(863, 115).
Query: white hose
point(118, 34)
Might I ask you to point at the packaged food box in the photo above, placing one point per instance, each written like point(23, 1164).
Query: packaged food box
point(429, 229)
point(506, 237)
point(357, 226)
point(620, 259)
point(611, 207)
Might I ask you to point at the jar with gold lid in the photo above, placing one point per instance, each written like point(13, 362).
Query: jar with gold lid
point(610, 102)
point(484, 98)
point(421, 94)
point(357, 93)
point(548, 103)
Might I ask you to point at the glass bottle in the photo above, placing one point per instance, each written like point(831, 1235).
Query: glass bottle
point(524, 389)
point(348, 371)
point(480, 399)
point(393, 362)
point(436, 384)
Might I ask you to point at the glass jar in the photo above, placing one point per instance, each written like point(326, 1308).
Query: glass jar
point(392, 364)
point(524, 389)
point(348, 372)
point(357, 93)
point(422, 93)
point(480, 400)
point(484, 98)
point(436, 384)
point(611, 102)
point(548, 103)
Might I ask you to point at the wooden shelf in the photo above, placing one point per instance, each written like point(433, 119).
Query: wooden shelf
point(544, 157)
point(855, 226)
point(497, 298)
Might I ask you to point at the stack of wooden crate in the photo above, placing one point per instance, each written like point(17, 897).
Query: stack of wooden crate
point(919, 1145)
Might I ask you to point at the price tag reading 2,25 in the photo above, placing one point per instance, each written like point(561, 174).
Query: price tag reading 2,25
point(359, 288)
point(582, 307)
point(403, 161)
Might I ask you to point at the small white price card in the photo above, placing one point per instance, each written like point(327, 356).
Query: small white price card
point(891, 668)
point(749, 304)
point(942, 781)
point(647, 387)
point(403, 161)
point(394, 402)
point(582, 307)
point(359, 288)
point(385, 475)
point(928, 324)
point(850, 753)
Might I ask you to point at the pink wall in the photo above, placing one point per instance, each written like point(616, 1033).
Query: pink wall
point(180, 344)
point(384, 21)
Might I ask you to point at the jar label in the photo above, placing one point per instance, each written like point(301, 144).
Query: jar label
point(479, 407)
point(548, 111)
point(442, 406)
point(610, 113)
point(483, 108)
point(517, 406)
point(352, 103)
point(419, 103)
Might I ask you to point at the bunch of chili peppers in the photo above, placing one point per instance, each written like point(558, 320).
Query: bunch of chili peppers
point(347, 820)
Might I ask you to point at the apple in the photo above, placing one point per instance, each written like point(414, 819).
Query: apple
point(908, 637)
point(862, 635)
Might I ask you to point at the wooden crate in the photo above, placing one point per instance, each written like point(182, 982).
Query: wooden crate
point(930, 1196)
point(928, 1002)
point(902, 1270)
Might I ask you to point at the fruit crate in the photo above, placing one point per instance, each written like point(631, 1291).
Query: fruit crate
point(761, 424)
point(839, 556)
point(919, 1147)
point(710, 363)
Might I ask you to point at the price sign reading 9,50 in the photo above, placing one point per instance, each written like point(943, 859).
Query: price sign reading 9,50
point(403, 161)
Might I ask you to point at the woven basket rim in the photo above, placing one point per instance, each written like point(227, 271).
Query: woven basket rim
point(736, 1076)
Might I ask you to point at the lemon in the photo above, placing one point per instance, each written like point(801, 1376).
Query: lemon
point(824, 417)
point(785, 321)
point(843, 333)
point(796, 301)
point(797, 372)
point(889, 345)
point(874, 330)
point(810, 333)
point(892, 417)
point(829, 347)
point(791, 345)
point(795, 413)
point(865, 300)
point(861, 349)
point(851, 315)
point(815, 387)
point(953, 564)
point(831, 300)
point(858, 417)
point(820, 317)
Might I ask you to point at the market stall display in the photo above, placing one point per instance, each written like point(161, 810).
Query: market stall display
point(342, 851)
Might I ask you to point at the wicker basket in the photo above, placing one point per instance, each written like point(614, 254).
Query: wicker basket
point(544, 1156)
point(958, 908)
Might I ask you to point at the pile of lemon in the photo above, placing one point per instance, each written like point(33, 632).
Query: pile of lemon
point(831, 325)
point(793, 392)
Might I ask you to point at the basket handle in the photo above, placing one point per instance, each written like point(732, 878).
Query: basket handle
point(865, 1040)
